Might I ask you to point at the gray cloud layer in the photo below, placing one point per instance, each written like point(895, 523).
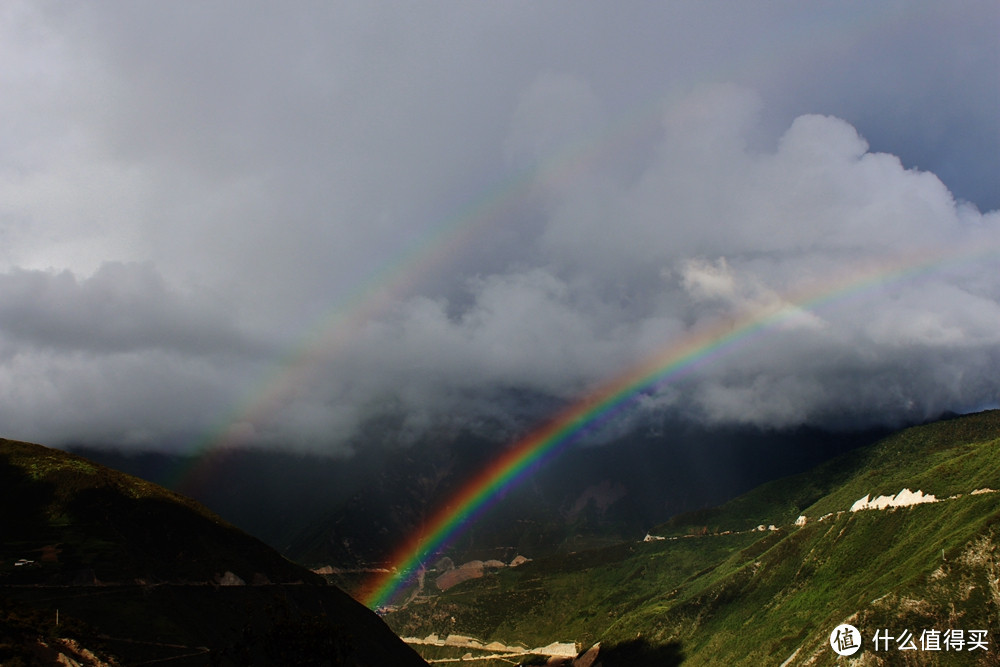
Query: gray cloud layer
point(189, 191)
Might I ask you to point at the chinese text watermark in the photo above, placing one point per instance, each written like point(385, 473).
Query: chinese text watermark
point(846, 640)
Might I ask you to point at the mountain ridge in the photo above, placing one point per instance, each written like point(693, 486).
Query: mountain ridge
point(136, 573)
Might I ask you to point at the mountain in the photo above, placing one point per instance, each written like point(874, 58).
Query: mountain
point(350, 512)
point(589, 496)
point(901, 537)
point(94, 560)
point(291, 489)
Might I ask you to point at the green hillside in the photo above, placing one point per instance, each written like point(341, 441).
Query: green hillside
point(717, 590)
point(139, 574)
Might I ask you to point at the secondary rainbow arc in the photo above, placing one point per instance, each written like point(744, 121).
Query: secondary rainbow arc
point(331, 333)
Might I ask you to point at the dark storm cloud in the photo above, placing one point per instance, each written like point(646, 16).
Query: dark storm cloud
point(189, 191)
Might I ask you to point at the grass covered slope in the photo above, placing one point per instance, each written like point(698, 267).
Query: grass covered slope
point(719, 591)
point(145, 575)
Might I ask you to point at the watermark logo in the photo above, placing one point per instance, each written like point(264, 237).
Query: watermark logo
point(845, 639)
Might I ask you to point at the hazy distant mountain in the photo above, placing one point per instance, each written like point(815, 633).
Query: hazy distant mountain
point(588, 496)
point(142, 574)
point(902, 536)
point(352, 512)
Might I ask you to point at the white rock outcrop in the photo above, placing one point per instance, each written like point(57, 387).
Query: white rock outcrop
point(558, 649)
point(905, 498)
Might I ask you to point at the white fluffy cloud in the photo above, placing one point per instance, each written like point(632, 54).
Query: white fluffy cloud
point(307, 222)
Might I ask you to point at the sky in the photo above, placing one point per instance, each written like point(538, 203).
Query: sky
point(302, 225)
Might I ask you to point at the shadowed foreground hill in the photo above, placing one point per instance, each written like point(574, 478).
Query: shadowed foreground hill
point(750, 583)
point(138, 573)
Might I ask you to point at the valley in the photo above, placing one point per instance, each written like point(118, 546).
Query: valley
point(902, 535)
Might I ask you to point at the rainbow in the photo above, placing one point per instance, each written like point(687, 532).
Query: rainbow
point(668, 365)
point(376, 292)
point(329, 335)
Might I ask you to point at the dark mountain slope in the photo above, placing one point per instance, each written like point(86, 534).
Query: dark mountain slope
point(143, 574)
point(117, 528)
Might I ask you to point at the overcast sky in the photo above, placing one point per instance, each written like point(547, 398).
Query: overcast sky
point(298, 221)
